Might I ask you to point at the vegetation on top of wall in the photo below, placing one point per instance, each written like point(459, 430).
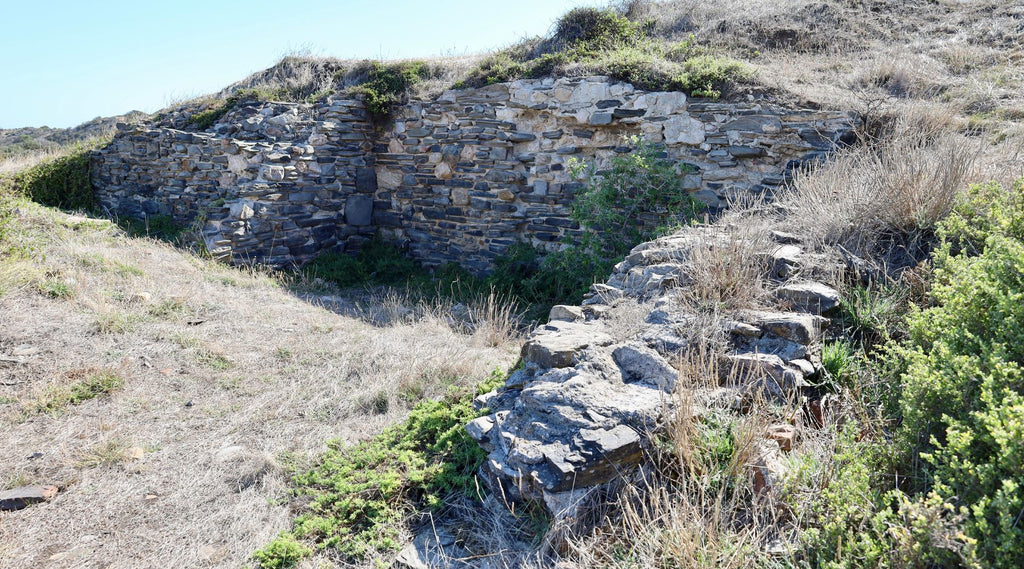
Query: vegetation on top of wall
point(59, 181)
point(217, 108)
point(592, 41)
point(388, 84)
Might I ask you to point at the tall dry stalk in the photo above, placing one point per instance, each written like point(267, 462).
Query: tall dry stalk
point(899, 185)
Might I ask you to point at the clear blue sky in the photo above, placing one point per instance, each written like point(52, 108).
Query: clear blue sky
point(66, 62)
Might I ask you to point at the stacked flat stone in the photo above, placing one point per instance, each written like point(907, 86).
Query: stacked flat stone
point(459, 178)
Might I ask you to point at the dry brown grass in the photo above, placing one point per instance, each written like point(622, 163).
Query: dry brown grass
point(898, 186)
point(694, 505)
point(228, 377)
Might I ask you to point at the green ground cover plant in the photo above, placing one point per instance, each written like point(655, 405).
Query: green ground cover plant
point(362, 494)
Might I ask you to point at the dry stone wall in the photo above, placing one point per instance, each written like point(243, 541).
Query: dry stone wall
point(272, 183)
point(459, 178)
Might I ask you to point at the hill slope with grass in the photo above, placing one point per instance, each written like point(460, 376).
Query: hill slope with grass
point(194, 414)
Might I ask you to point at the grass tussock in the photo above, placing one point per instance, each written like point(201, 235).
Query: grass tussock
point(917, 170)
point(79, 387)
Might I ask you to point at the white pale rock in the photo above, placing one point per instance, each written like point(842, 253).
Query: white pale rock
point(443, 171)
point(684, 129)
point(388, 179)
point(237, 164)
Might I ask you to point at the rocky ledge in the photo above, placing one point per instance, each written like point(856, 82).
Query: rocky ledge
point(598, 380)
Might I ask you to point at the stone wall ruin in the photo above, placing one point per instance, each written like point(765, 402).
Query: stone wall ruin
point(458, 178)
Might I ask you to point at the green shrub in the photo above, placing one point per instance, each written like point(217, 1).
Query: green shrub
point(58, 182)
point(360, 495)
point(282, 553)
point(596, 29)
point(639, 197)
point(962, 397)
point(860, 520)
point(377, 263)
point(388, 84)
point(604, 42)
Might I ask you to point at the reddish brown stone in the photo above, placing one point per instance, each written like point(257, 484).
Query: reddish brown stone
point(785, 435)
point(25, 496)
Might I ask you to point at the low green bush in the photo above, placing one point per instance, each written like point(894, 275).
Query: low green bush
point(604, 42)
point(62, 181)
point(388, 84)
point(377, 263)
point(950, 392)
point(360, 495)
point(963, 385)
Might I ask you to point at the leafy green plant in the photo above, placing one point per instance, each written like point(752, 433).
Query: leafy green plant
point(378, 262)
point(361, 494)
point(387, 85)
point(963, 385)
point(860, 520)
point(605, 42)
point(282, 553)
point(638, 197)
point(56, 288)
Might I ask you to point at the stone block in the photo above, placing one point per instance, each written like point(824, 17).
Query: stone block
point(358, 210)
point(23, 497)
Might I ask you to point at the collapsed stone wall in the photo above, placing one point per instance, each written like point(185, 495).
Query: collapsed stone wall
point(459, 178)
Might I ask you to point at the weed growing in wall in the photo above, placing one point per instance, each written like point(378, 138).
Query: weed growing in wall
point(639, 197)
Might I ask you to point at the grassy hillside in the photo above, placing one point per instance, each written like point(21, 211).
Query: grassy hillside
point(194, 414)
point(168, 396)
